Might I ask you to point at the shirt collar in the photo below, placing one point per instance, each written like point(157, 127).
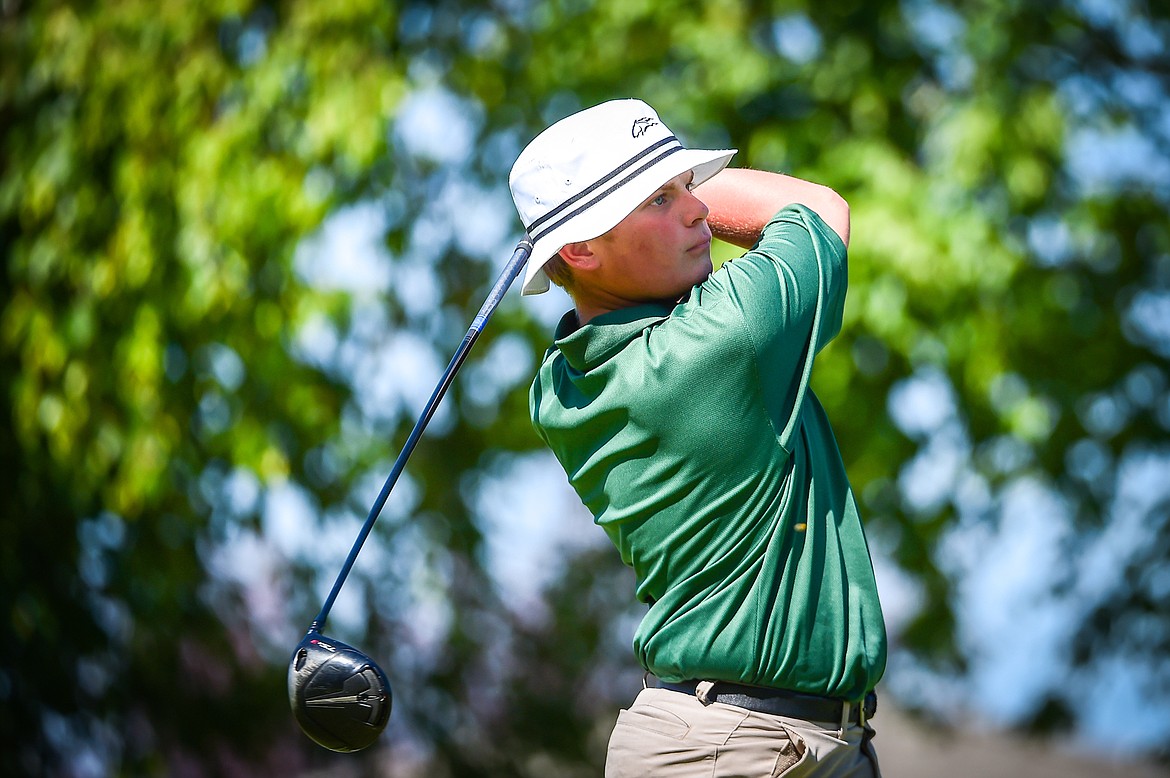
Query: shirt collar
point(585, 347)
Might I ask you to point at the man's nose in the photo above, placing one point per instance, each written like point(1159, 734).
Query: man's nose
point(697, 210)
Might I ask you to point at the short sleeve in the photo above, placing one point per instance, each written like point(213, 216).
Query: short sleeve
point(790, 291)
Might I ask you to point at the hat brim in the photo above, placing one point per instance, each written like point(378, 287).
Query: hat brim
point(605, 215)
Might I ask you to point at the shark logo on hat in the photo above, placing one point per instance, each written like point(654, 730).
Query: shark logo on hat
point(641, 125)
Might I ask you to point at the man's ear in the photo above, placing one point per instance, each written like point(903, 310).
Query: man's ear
point(579, 256)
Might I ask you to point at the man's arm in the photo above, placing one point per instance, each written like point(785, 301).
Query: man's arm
point(743, 201)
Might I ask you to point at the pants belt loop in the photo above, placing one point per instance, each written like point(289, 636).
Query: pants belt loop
point(701, 689)
point(861, 713)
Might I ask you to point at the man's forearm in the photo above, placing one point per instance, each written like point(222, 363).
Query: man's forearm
point(742, 201)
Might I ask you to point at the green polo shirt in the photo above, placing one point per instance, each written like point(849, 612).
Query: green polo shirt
point(691, 434)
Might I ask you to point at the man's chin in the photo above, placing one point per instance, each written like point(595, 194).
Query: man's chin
point(706, 268)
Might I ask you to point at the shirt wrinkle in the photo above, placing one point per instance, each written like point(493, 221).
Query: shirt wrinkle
point(666, 419)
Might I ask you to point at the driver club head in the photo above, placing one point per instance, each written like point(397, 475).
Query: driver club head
point(339, 696)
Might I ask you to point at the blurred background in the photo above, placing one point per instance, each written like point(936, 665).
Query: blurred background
point(242, 239)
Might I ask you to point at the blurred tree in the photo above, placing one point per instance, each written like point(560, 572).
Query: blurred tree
point(160, 165)
point(198, 399)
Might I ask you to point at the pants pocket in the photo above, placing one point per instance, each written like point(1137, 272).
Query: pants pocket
point(653, 740)
point(790, 762)
point(763, 746)
point(653, 719)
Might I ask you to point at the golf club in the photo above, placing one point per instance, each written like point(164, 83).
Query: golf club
point(339, 695)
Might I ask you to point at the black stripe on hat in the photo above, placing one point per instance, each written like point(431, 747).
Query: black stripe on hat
point(577, 198)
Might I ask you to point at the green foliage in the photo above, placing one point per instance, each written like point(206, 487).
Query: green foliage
point(161, 165)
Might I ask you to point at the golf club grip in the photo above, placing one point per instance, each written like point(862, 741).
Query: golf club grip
point(495, 296)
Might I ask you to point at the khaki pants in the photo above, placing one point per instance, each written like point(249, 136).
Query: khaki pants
point(671, 734)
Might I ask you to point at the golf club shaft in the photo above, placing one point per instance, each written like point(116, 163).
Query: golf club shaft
point(511, 270)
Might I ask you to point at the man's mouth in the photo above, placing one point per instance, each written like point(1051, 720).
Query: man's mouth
point(702, 245)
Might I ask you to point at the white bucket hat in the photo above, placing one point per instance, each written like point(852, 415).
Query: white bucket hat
point(576, 180)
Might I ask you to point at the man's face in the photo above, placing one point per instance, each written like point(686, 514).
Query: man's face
point(659, 251)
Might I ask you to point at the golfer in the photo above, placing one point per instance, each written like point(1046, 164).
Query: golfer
point(677, 400)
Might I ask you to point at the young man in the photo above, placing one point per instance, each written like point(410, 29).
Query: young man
point(678, 402)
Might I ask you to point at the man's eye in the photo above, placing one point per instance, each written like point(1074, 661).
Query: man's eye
point(659, 200)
